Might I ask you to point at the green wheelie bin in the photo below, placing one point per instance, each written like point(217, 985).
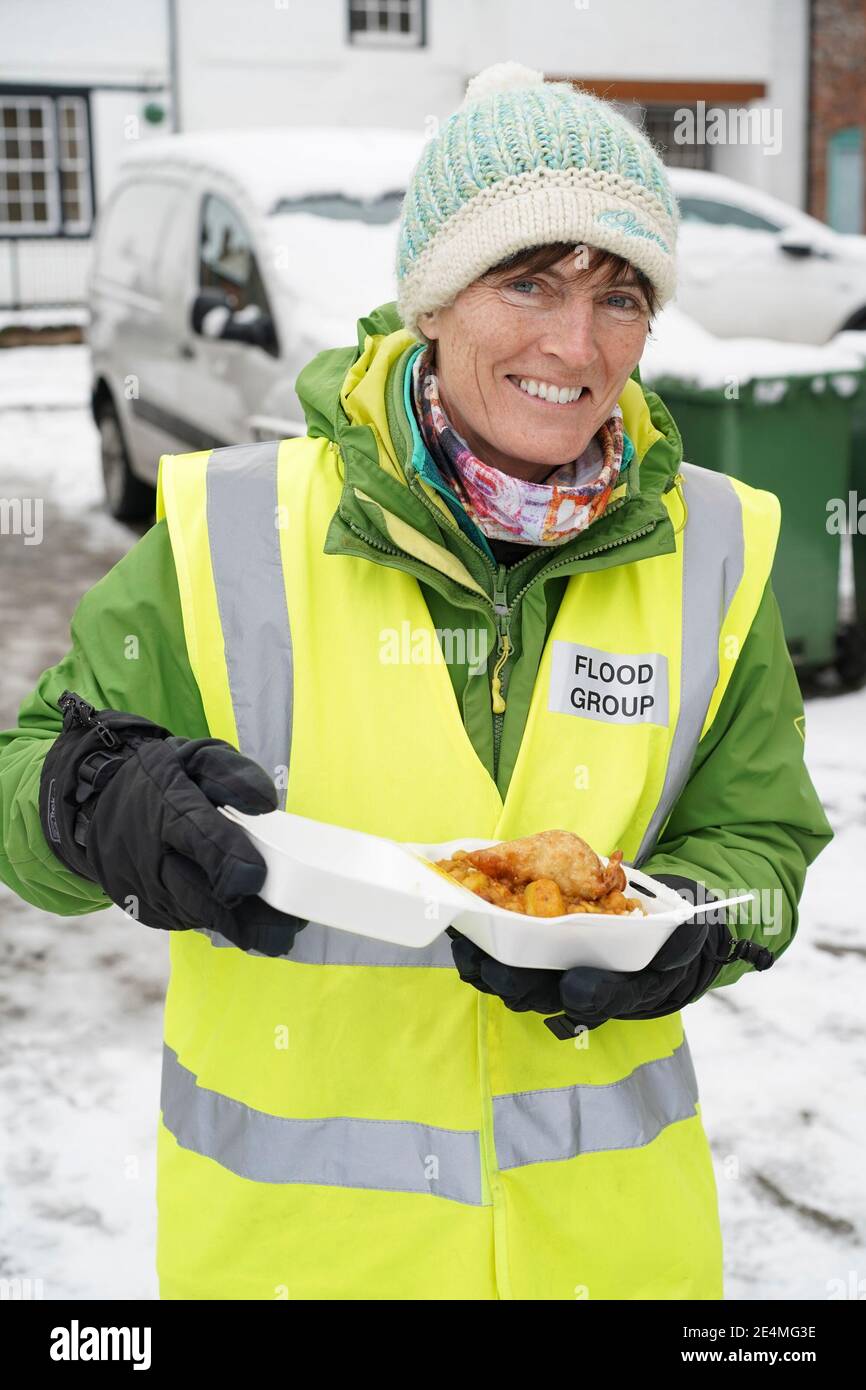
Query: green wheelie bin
point(789, 432)
point(856, 343)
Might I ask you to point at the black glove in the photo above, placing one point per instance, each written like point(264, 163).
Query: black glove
point(683, 969)
point(132, 807)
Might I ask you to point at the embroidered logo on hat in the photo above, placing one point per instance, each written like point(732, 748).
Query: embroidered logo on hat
point(628, 223)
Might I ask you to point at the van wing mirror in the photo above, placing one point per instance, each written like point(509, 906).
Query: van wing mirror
point(800, 245)
point(204, 302)
point(213, 317)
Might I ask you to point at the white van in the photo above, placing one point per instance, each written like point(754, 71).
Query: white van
point(223, 262)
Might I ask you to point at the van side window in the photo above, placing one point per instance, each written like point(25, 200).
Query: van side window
point(226, 259)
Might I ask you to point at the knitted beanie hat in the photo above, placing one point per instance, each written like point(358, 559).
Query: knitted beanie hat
point(520, 164)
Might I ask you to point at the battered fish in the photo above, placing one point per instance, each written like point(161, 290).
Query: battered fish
point(553, 854)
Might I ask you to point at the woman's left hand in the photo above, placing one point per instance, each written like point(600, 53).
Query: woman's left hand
point(683, 969)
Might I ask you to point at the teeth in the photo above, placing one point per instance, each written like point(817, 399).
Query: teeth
point(558, 394)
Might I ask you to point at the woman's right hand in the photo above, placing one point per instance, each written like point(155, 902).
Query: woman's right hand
point(134, 808)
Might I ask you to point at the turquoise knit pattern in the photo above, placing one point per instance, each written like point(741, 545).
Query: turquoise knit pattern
point(510, 133)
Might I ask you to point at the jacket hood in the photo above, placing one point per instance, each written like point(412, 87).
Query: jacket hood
point(325, 384)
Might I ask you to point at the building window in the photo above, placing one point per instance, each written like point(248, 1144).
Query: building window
point(660, 123)
point(845, 180)
point(74, 164)
point(387, 23)
point(45, 180)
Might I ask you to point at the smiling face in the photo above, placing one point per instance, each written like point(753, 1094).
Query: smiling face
point(531, 362)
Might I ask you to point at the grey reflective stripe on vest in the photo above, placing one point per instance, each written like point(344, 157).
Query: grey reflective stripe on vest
point(392, 1155)
point(713, 562)
point(251, 598)
point(546, 1126)
point(321, 945)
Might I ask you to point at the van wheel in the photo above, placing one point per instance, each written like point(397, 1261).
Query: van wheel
point(128, 497)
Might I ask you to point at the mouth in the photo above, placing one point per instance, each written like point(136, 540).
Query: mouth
point(547, 394)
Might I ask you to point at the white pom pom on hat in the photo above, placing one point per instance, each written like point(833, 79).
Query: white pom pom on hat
point(501, 77)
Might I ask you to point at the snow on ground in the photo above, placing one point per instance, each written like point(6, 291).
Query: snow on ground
point(80, 997)
point(780, 1057)
point(44, 379)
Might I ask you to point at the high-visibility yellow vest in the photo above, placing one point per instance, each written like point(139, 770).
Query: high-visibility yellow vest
point(353, 1121)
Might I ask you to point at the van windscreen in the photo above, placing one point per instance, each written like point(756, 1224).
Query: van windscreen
point(340, 207)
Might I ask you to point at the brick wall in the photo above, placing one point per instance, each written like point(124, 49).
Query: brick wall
point(838, 85)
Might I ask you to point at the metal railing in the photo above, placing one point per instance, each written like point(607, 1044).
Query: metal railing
point(43, 271)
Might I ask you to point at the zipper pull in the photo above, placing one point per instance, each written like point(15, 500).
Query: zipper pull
point(500, 608)
point(75, 710)
point(496, 682)
point(78, 713)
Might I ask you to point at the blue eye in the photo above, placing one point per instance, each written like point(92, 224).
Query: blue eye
point(515, 284)
point(627, 301)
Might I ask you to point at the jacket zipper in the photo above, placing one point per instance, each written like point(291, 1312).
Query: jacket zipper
point(502, 613)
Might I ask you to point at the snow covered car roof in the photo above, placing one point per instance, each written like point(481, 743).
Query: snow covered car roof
point(274, 163)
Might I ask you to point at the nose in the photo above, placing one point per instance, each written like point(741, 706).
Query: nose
point(570, 334)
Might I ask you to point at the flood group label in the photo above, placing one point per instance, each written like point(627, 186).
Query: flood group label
point(615, 687)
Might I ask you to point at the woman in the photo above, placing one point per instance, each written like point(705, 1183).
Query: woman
point(342, 1118)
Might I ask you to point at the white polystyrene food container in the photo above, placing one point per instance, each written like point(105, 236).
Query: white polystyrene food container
point(384, 888)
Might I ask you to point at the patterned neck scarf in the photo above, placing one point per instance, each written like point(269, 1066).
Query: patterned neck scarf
point(512, 509)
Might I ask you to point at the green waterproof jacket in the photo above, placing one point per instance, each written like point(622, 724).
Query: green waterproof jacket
point(749, 817)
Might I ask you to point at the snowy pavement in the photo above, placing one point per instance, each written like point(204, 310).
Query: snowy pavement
point(780, 1058)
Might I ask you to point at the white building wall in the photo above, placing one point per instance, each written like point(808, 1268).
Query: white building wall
point(294, 63)
point(83, 41)
point(118, 122)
